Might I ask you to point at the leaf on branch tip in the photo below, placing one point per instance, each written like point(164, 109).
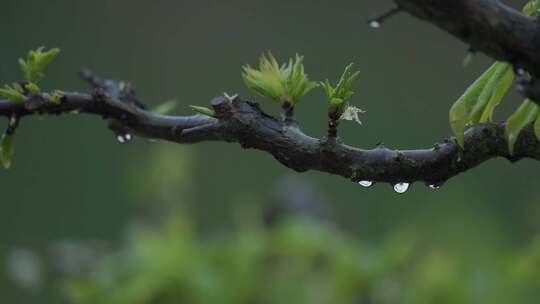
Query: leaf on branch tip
point(339, 95)
point(203, 110)
point(34, 66)
point(13, 93)
point(6, 149)
point(287, 82)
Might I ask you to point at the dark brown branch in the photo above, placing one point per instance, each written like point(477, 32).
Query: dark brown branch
point(245, 123)
point(488, 26)
point(491, 27)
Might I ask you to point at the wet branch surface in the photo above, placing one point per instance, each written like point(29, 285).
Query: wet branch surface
point(245, 123)
point(488, 26)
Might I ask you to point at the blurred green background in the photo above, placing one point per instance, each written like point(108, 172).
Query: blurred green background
point(71, 180)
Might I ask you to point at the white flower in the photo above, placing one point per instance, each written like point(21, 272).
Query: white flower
point(351, 113)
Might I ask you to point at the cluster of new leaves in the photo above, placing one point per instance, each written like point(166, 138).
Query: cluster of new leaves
point(289, 82)
point(33, 70)
point(339, 95)
point(286, 83)
point(479, 101)
point(37, 61)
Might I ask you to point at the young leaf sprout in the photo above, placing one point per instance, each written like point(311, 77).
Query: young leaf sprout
point(285, 84)
point(338, 99)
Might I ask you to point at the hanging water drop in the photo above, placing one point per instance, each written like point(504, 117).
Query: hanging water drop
point(365, 183)
point(121, 139)
point(401, 187)
point(375, 23)
point(378, 21)
point(128, 137)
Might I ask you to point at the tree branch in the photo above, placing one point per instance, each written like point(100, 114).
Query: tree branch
point(491, 27)
point(488, 26)
point(245, 123)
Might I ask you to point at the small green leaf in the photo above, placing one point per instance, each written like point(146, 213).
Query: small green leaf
point(523, 116)
point(34, 66)
point(339, 95)
point(488, 91)
point(6, 149)
point(13, 93)
point(502, 88)
point(165, 108)
point(459, 113)
point(204, 111)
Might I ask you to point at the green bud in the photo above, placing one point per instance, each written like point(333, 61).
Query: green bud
point(56, 97)
point(33, 88)
point(287, 82)
point(34, 66)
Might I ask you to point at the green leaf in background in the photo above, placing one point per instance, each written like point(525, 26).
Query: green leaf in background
point(459, 113)
point(13, 93)
point(488, 92)
point(203, 110)
point(165, 108)
point(37, 61)
point(6, 149)
point(524, 115)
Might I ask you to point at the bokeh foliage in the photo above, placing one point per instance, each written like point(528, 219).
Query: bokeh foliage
point(300, 260)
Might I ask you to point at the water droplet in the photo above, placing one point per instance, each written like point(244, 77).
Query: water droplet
point(374, 23)
point(401, 187)
point(365, 183)
point(121, 139)
point(128, 137)
point(434, 187)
